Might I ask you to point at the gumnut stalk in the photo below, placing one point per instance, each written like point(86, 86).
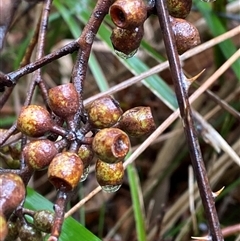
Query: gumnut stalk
point(38, 154)
point(111, 145)
point(34, 121)
point(64, 100)
point(179, 8)
point(186, 34)
point(128, 14)
point(127, 41)
point(12, 193)
point(109, 176)
point(65, 171)
point(137, 121)
point(104, 112)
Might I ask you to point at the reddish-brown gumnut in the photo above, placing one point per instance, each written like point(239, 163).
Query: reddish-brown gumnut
point(104, 112)
point(137, 121)
point(38, 154)
point(65, 171)
point(34, 121)
point(186, 34)
point(126, 42)
point(111, 145)
point(179, 8)
point(12, 193)
point(128, 14)
point(109, 176)
point(64, 100)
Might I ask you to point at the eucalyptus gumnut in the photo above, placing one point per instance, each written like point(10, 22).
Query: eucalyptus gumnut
point(104, 112)
point(38, 154)
point(28, 232)
point(12, 231)
point(111, 145)
point(137, 121)
point(43, 220)
point(85, 152)
point(65, 171)
point(179, 8)
point(34, 121)
point(12, 193)
point(12, 163)
point(15, 150)
point(127, 41)
point(64, 100)
point(186, 34)
point(128, 14)
point(109, 176)
point(3, 227)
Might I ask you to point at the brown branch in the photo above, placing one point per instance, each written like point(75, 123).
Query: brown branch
point(59, 207)
point(12, 78)
point(186, 115)
point(85, 43)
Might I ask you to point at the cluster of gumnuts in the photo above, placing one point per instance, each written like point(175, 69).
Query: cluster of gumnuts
point(104, 134)
point(129, 17)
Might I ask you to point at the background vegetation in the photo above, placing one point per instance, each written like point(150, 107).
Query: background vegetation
point(159, 199)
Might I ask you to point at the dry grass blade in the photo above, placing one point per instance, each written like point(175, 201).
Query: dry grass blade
point(181, 205)
point(212, 137)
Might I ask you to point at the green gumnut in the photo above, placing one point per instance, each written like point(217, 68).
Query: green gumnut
point(179, 8)
point(43, 220)
point(12, 231)
point(28, 232)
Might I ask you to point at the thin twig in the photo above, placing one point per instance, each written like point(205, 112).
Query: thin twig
point(59, 207)
point(11, 78)
point(181, 91)
point(85, 42)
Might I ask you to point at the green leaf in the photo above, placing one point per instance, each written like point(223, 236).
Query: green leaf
point(137, 202)
point(71, 230)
